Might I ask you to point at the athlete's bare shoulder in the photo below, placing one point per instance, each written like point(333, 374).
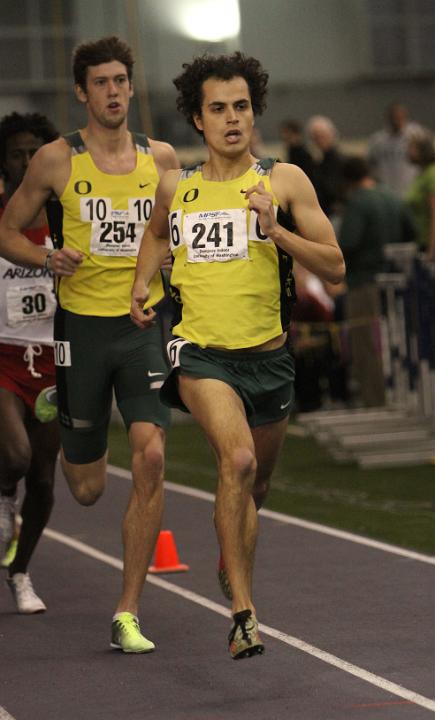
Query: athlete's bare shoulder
point(287, 172)
point(164, 155)
point(56, 152)
point(53, 162)
point(50, 167)
point(289, 182)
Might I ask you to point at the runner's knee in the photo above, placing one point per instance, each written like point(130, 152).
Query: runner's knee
point(85, 490)
point(240, 464)
point(148, 464)
point(244, 462)
point(84, 493)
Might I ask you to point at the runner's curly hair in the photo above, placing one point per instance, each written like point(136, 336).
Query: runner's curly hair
point(96, 52)
point(224, 67)
point(34, 123)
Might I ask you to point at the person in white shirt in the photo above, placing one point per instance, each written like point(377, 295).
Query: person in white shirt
point(387, 150)
point(28, 448)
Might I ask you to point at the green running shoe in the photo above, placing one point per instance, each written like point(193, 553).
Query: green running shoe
point(46, 405)
point(126, 635)
point(10, 553)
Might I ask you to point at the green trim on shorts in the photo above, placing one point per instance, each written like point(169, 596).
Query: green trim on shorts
point(263, 380)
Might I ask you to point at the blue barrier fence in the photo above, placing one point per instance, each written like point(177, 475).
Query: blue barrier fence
point(408, 330)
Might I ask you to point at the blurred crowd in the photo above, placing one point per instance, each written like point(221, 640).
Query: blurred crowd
point(381, 196)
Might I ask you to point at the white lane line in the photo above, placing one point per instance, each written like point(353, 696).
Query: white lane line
point(294, 642)
point(291, 520)
point(4, 715)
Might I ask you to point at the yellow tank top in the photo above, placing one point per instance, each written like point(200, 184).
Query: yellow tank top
point(103, 216)
point(232, 286)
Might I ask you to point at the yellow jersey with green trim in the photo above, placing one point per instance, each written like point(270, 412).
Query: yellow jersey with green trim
point(103, 216)
point(232, 286)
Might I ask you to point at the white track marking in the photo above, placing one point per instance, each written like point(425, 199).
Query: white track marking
point(4, 715)
point(291, 520)
point(294, 642)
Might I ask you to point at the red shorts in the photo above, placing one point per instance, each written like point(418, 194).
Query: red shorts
point(17, 378)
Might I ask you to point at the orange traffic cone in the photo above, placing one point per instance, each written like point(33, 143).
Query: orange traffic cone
point(166, 558)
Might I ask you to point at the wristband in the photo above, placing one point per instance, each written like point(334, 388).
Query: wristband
point(47, 258)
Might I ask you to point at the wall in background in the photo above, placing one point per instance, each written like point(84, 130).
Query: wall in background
point(347, 59)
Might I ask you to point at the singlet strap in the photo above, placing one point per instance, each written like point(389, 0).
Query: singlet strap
point(75, 140)
point(265, 166)
point(142, 143)
point(190, 170)
point(262, 167)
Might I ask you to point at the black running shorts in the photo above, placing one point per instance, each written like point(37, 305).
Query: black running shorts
point(98, 355)
point(264, 380)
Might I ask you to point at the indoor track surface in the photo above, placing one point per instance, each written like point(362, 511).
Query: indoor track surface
point(348, 625)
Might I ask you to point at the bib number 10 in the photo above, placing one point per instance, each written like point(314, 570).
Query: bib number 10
point(116, 231)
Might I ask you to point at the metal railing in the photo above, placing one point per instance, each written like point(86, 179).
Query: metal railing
point(403, 431)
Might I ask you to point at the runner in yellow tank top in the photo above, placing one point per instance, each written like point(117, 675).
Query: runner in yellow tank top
point(104, 217)
point(227, 253)
point(231, 367)
point(100, 183)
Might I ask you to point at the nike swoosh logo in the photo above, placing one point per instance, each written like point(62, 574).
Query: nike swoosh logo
point(154, 374)
point(142, 185)
point(284, 405)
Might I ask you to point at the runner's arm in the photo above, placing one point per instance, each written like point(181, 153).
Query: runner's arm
point(153, 250)
point(164, 155)
point(316, 246)
point(22, 209)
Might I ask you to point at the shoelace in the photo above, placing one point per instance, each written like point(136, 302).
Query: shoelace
point(126, 624)
point(240, 623)
point(29, 354)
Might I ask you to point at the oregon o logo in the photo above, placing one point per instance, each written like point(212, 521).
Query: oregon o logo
point(82, 187)
point(191, 195)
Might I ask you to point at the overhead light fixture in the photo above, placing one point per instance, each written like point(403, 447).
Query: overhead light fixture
point(209, 20)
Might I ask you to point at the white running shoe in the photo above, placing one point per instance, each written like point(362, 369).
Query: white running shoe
point(24, 595)
point(8, 509)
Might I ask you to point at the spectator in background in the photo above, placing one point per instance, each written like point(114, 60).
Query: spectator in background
point(296, 151)
point(327, 179)
point(372, 217)
point(421, 195)
point(310, 338)
point(327, 169)
point(387, 150)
